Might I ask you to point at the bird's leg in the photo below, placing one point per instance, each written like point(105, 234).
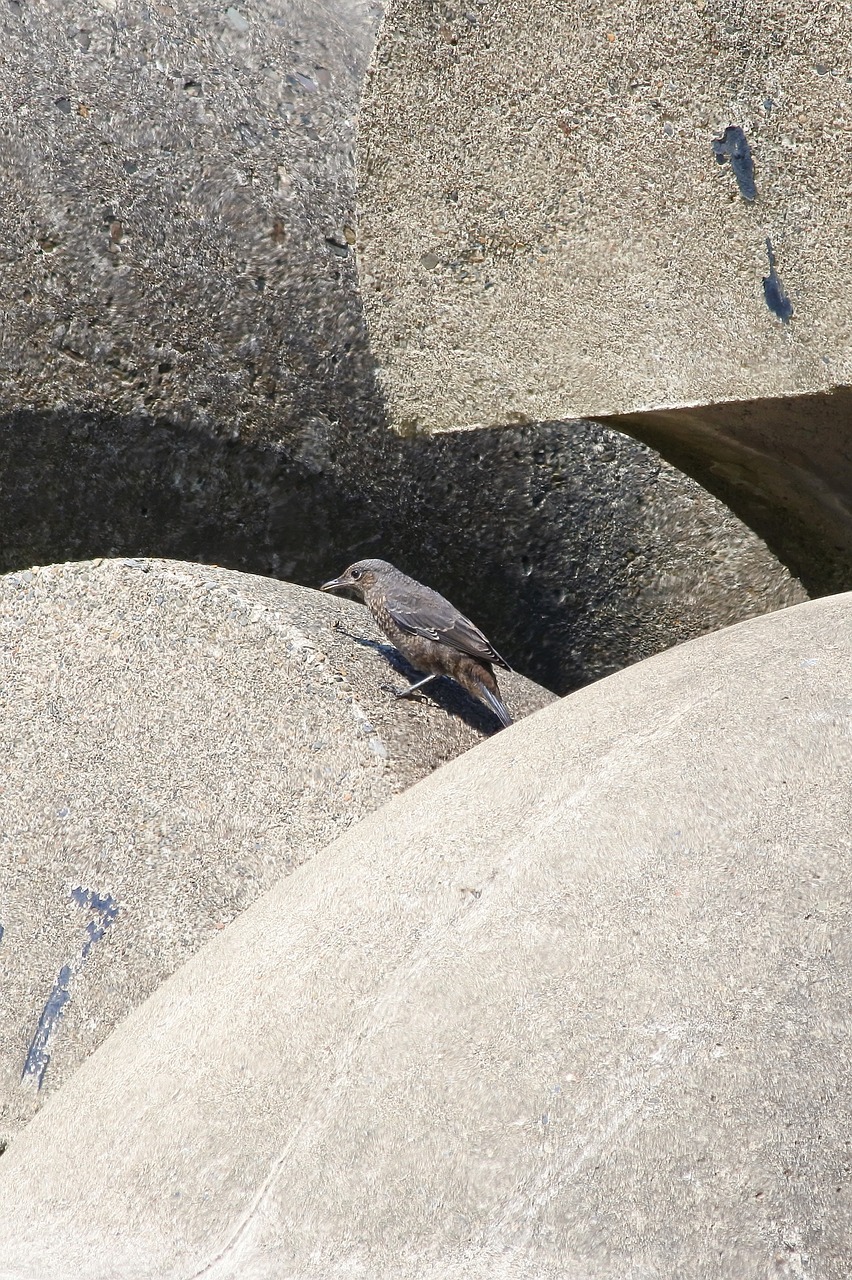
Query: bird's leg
point(404, 693)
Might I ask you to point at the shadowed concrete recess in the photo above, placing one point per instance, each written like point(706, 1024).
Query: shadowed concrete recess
point(578, 545)
point(174, 739)
point(609, 210)
point(575, 1006)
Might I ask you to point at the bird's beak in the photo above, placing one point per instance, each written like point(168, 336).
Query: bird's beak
point(334, 584)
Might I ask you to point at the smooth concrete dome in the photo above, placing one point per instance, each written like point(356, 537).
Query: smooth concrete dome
point(575, 1005)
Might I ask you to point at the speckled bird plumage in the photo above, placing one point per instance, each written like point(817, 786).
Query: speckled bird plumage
point(428, 631)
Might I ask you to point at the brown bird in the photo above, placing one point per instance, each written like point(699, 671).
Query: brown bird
point(428, 631)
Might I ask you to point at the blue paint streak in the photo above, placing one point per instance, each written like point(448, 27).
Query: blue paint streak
point(38, 1057)
point(773, 290)
point(107, 909)
point(733, 146)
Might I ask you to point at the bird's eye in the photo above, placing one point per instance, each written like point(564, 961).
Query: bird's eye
point(355, 574)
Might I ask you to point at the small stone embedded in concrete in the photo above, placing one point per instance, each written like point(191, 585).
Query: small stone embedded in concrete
point(236, 19)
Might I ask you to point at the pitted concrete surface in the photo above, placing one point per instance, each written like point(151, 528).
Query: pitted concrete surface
point(177, 200)
point(574, 1006)
point(547, 230)
point(174, 739)
point(579, 210)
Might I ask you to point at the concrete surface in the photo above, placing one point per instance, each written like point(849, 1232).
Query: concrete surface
point(782, 464)
point(187, 366)
point(178, 188)
point(174, 739)
point(546, 231)
point(575, 1006)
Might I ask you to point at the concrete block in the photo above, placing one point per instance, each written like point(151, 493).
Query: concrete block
point(574, 1005)
point(188, 372)
point(175, 739)
point(632, 215)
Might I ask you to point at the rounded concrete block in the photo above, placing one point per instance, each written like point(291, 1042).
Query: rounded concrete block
point(174, 739)
point(177, 200)
point(574, 1006)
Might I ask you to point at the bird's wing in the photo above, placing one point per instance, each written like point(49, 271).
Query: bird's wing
point(425, 613)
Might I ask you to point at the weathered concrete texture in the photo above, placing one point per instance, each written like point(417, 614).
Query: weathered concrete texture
point(546, 230)
point(582, 548)
point(174, 739)
point(177, 192)
point(574, 1006)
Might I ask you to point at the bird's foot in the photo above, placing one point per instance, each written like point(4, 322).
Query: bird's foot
point(413, 695)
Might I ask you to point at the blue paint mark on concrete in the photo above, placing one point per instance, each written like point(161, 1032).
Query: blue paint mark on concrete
point(38, 1055)
point(107, 910)
point(733, 146)
point(773, 290)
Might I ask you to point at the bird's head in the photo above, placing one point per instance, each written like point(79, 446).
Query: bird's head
point(361, 577)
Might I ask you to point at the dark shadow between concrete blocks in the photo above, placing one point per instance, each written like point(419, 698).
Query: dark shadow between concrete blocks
point(550, 536)
point(784, 466)
point(561, 540)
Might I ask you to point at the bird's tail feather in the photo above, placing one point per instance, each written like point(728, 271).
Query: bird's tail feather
point(495, 704)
